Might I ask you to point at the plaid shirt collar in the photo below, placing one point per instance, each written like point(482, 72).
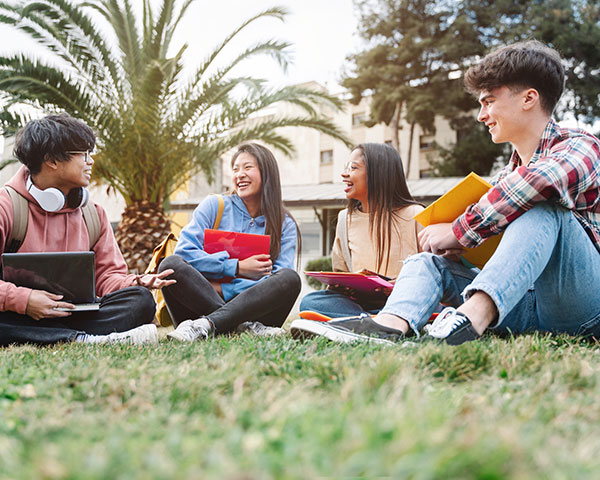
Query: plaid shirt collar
point(549, 136)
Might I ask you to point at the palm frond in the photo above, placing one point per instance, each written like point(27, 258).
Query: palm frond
point(275, 12)
point(154, 129)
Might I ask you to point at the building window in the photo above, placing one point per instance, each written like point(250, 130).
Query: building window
point(426, 142)
point(326, 157)
point(358, 119)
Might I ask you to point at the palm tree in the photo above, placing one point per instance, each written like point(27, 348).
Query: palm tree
point(156, 126)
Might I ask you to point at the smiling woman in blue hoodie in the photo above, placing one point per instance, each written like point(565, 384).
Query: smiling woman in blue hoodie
point(263, 288)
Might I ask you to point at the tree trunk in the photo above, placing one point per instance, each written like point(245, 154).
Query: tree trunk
point(143, 226)
point(410, 145)
point(395, 126)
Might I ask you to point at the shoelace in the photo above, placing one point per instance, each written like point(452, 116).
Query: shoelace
point(445, 323)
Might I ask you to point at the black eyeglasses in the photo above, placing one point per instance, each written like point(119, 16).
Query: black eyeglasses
point(88, 154)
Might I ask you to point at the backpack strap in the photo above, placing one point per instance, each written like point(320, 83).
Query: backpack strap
point(343, 224)
point(219, 211)
point(92, 222)
point(20, 219)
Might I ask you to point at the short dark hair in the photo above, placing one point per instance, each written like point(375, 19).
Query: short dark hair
point(528, 64)
point(52, 136)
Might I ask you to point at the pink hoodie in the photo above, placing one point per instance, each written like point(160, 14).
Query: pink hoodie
point(63, 231)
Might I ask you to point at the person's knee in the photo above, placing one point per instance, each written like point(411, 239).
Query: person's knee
point(290, 280)
point(143, 303)
point(423, 258)
point(541, 212)
point(310, 300)
point(172, 261)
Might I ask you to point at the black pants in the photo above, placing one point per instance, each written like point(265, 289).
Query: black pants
point(119, 311)
point(268, 302)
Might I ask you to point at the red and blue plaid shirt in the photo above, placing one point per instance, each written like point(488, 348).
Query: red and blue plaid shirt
point(565, 169)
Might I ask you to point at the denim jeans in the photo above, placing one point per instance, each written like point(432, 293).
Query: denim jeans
point(336, 304)
point(544, 276)
point(119, 311)
point(268, 301)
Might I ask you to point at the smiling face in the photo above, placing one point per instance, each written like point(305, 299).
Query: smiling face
point(355, 178)
point(501, 111)
point(75, 172)
point(246, 178)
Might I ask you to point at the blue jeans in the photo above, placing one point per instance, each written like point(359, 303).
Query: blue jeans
point(544, 276)
point(336, 304)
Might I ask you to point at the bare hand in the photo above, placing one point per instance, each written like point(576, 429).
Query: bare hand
point(42, 304)
point(350, 292)
point(255, 267)
point(440, 240)
point(156, 280)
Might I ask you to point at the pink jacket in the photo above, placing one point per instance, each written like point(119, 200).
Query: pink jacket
point(63, 231)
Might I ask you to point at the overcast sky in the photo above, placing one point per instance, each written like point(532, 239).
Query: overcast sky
point(321, 33)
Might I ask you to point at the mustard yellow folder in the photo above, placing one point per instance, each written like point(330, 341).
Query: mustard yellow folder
point(452, 204)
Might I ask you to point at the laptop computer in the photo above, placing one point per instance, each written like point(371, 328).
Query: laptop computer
point(71, 274)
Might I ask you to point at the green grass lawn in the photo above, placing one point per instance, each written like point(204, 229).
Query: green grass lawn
point(245, 408)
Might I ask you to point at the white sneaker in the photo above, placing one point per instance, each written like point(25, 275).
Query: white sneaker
point(145, 334)
point(260, 330)
point(192, 330)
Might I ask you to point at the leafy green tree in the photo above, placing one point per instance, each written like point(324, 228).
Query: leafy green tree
point(413, 47)
point(570, 26)
point(156, 126)
point(473, 151)
point(416, 51)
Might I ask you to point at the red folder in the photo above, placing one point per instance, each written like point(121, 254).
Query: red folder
point(238, 245)
point(361, 282)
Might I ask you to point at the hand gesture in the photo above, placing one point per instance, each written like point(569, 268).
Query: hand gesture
point(255, 267)
point(42, 304)
point(440, 240)
point(155, 280)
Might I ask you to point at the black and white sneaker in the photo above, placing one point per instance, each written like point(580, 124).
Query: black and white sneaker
point(452, 327)
point(347, 330)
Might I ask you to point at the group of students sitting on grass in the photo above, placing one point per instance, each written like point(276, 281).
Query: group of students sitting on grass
point(545, 201)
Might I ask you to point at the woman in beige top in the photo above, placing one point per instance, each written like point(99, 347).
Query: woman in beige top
point(376, 232)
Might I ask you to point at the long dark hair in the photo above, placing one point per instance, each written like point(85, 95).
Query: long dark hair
point(271, 202)
point(387, 192)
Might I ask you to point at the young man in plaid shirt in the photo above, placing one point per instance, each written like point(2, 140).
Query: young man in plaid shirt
point(546, 201)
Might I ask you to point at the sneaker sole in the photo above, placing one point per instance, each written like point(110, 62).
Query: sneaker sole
point(315, 316)
point(308, 328)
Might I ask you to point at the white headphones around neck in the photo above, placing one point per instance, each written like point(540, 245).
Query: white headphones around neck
point(52, 199)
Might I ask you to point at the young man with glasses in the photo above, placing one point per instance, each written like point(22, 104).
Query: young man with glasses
point(547, 203)
point(56, 152)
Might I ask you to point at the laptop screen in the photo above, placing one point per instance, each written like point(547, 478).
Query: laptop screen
point(71, 274)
